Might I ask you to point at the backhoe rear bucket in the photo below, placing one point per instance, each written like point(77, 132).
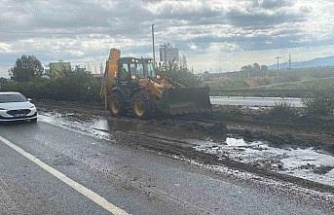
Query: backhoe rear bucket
point(185, 100)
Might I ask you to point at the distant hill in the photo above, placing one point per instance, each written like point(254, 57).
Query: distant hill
point(316, 62)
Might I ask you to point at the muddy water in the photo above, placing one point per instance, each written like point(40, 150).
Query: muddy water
point(105, 127)
point(255, 101)
point(308, 163)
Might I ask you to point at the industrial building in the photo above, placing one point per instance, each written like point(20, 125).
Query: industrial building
point(168, 54)
point(58, 69)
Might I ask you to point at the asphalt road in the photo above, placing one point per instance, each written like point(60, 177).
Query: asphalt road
point(134, 180)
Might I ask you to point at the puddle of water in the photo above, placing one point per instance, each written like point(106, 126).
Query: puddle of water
point(106, 128)
point(305, 163)
point(97, 127)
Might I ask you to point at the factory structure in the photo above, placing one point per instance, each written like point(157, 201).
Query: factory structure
point(168, 54)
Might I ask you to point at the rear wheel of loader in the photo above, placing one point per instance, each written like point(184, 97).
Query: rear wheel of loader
point(116, 105)
point(142, 105)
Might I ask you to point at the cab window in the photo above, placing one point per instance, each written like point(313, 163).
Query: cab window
point(140, 70)
point(150, 70)
point(137, 69)
point(124, 72)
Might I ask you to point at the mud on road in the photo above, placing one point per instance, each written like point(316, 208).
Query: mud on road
point(183, 138)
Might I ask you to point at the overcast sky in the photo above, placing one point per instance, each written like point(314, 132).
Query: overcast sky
point(216, 35)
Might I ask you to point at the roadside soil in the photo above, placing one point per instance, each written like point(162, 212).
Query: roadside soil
point(213, 126)
point(170, 136)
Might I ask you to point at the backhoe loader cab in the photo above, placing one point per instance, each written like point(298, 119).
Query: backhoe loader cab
point(134, 68)
point(132, 86)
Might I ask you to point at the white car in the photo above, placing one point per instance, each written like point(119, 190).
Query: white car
point(16, 107)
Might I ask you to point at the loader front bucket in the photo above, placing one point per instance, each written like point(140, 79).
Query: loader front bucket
point(185, 100)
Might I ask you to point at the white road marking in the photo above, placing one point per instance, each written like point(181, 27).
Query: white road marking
point(75, 185)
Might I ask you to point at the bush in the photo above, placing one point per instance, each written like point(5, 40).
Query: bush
point(283, 110)
point(76, 86)
point(320, 100)
point(183, 77)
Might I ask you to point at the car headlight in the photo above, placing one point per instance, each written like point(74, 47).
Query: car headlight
point(33, 106)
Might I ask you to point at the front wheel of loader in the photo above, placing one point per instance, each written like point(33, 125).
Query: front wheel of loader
point(143, 105)
point(116, 105)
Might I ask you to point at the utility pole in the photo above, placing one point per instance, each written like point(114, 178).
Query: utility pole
point(278, 62)
point(153, 44)
point(289, 61)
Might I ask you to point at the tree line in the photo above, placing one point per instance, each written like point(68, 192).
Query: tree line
point(254, 67)
point(29, 77)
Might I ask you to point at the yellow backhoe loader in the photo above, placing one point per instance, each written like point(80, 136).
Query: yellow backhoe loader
point(132, 85)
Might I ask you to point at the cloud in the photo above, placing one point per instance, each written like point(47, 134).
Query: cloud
point(87, 29)
point(273, 4)
point(261, 19)
point(265, 14)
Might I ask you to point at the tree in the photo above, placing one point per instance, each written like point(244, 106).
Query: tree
point(26, 68)
point(264, 68)
point(3, 82)
point(254, 67)
point(183, 62)
point(247, 68)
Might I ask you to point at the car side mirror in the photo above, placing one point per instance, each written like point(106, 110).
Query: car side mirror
point(29, 99)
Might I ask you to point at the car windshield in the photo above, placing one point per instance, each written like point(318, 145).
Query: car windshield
point(4, 98)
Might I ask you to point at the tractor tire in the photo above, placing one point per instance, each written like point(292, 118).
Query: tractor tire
point(116, 105)
point(143, 105)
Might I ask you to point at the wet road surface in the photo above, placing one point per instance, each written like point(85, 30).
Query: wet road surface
point(135, 180)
